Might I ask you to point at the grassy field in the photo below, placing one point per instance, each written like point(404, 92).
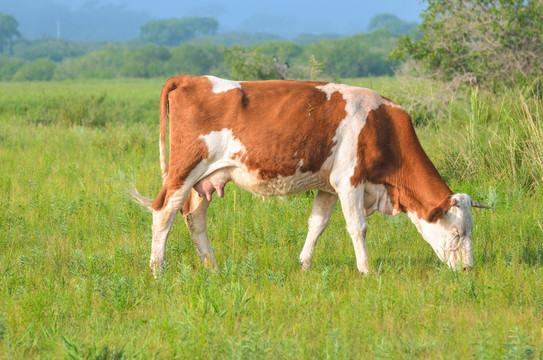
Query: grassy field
point(74, 250)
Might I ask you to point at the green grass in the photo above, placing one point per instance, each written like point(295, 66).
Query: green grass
point(74, 250)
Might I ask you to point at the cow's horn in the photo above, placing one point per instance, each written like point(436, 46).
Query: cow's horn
point(477, 205)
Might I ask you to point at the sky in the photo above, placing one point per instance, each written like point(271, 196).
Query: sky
point(284, 17)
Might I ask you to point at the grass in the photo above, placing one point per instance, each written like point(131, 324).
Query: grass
point(74, 250)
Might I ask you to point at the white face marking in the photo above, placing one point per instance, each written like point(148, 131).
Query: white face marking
point(450, 236)
point(222, 85)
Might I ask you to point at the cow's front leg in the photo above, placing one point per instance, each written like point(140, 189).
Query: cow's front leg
point(323, 205)
point(352, 204)
point(195, 215)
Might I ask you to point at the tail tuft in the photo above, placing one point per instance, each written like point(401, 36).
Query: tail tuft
point(140, 199)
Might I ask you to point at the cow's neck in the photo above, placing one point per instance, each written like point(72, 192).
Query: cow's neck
point(413, 183)
point(418, 188)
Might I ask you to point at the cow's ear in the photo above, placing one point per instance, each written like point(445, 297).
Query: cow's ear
point(454, 202)
point(436, 214)
point(439, 211)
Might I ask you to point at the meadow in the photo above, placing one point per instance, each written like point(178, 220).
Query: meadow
point(74, 250)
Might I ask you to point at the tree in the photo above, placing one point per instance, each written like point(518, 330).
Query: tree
point(197, 59)
point(392, 23)
point(355, 56)
point(248, 64)
point(173, 32)
point(8, 30)
point(482, 42)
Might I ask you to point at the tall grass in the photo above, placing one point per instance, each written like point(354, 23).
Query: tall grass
point(500, 138)
point(74, 250)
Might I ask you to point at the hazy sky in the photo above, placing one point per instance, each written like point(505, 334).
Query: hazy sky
point(288, 16)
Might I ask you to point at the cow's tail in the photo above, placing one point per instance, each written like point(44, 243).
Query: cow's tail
point(169, 86)
point(140, 199)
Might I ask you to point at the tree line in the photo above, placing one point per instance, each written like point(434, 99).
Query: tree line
point(485, 43)
point(192, 46)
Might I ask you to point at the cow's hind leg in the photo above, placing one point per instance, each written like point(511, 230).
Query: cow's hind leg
point(165, 208)
point(163, 219)
point(352, 204)
point(323, 205)
point(195, 215)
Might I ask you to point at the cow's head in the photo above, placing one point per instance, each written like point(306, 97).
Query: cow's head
point(448, 231)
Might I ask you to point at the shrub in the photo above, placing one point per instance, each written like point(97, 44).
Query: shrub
point(479, 42)
point(41, 70)
point(8, 67)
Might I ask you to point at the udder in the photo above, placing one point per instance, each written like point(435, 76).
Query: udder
point(211, 183)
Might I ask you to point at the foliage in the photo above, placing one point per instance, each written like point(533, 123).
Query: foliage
point(54, 49)
point(146, 61)
point(358, 55)
point(285, 51)
point(515, 154)
point(74, 270)
point(174, 31)
point(8, 30)
point(237, 38)
point(248, 63)
point(8, 67)
point(479, 42)
point(101, 64)
point(41, 70)
point(162, 50)
point(200, 58)
point(305, 39)
point(392, 23)
point(315, 67)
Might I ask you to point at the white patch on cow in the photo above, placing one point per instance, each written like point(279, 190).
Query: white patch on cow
point(450, 236)
point(221, 147)
point(222, 85)
point(359, 103)
point(293, 184)
point(376, 198)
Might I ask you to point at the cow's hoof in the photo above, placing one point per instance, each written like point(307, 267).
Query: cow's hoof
point(306, 264)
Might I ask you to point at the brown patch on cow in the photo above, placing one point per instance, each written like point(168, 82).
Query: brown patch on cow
point(281, 124)
point(285, 122)
point(390, 153)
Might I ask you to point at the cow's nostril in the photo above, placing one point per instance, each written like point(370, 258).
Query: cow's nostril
point(467, 268)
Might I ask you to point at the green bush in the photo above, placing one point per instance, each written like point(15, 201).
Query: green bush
point(248, 64)
point(54, 49)
point(40, 70)
point(101, 64)
point(197, 59)
point(479, 42)
point(147, 61)
point(8, 67)
point(356, 56)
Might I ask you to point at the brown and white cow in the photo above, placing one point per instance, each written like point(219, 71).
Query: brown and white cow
point(286, 137)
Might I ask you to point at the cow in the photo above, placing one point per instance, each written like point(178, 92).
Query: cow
point(280, 137)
